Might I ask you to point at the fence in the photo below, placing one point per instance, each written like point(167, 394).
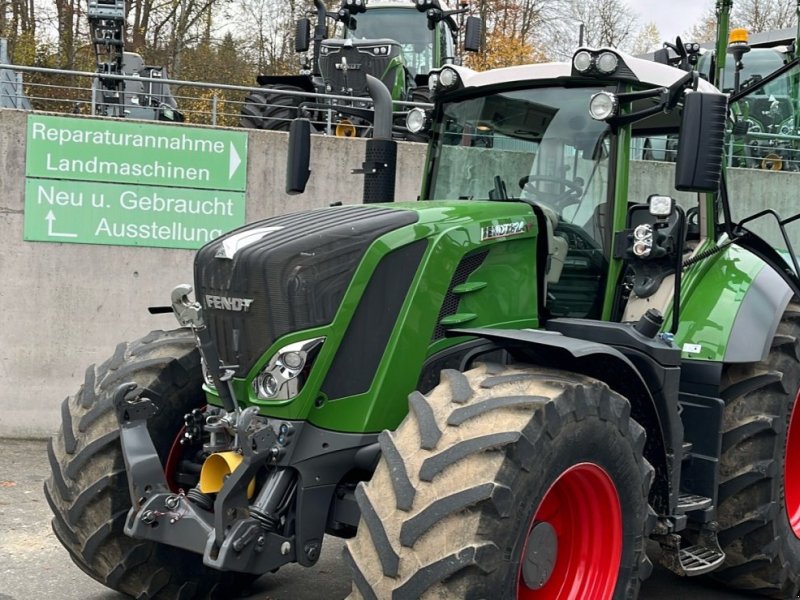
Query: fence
point(80, 92)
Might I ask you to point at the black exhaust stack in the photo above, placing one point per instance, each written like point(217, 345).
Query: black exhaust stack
point(380, 160)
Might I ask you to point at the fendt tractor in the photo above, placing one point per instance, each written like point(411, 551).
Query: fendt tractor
point(147, 99)
point(399, 43)
point(503, 390)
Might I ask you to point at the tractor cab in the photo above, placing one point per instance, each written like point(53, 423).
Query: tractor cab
point(424, 43)
point(559, 138)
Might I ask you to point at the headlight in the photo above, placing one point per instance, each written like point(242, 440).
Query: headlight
point(603, 105)
point(416, 120)
point(643, 240)
point(285, 374)
point(660, 206)
point(448, 78)
point(583, 61)
point(607, 63)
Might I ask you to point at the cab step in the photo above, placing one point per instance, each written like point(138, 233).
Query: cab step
point(691, 502)
point(695, 559)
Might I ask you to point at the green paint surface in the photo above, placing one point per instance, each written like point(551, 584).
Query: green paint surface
point(134, 152)
point(128, 215)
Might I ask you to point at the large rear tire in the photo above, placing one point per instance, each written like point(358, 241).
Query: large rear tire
point(88, 489)
point(270, 109)
point(490, 468)
point(759, 494)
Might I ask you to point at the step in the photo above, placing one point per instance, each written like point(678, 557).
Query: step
point(697, 560)
point(691, 502)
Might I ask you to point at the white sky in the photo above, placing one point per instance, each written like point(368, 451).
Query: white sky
point(672, 17)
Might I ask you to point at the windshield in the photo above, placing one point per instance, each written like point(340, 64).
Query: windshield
point(756, 65)
point(537, 145)
point(409, 27)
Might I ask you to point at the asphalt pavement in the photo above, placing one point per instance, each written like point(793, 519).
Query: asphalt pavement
point(34, 565)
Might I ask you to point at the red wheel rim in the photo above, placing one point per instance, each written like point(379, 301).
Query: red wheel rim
point(791, 470)
point(583, 508)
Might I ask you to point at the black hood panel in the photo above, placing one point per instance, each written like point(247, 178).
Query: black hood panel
point(283, 274)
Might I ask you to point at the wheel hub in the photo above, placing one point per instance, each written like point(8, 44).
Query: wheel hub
point(574, 546)
point(540, 555)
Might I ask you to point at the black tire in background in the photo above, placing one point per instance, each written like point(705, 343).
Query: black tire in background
point(470, 474)
point(88, 488)
point(762, 548)
point(270, 109)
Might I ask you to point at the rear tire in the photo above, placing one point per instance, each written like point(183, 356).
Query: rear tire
point(762, 548)
point(473, 468)
point(269, 109)
point(88, 488)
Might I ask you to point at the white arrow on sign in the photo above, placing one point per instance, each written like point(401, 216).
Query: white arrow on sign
point(235, 161)
point(50, 218)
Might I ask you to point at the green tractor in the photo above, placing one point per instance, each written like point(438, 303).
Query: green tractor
point(396, 42)
point(502, 390)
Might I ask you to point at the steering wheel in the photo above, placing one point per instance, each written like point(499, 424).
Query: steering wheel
point(570, 195)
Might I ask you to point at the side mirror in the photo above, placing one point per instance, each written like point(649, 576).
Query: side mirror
point(702, 139)
point(302, 35)
point(473, 34)
point(297, 171)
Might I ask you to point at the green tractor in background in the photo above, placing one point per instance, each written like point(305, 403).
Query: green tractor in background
point(503, 390)
point(397, 42)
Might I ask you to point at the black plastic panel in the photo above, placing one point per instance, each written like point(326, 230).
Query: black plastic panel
point(365, 340)
point(295, 272)
point(465, 268)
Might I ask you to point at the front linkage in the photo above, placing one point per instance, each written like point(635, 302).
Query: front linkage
point(265, 488)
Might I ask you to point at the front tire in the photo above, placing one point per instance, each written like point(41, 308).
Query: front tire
point(760, 469)
point(88, 489)
point(270, 109)
point(475, 470)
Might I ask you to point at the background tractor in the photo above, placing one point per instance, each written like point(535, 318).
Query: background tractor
point(125, 97)
point(502, 390)
point(396, 42)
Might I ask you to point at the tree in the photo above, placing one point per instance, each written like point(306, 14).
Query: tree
point(763, 15)
point(605, 23)
point(705, 30)
point(647, 40)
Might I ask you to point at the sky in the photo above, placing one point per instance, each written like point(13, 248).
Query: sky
point(672, 17)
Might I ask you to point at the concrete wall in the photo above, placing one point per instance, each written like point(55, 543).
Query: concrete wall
point(66, 306)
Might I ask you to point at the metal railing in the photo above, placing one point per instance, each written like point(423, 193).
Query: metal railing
point(219, 104)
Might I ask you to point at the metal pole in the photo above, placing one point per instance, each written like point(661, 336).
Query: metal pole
point(214, 109)
point(581, 31)
point(94, 95)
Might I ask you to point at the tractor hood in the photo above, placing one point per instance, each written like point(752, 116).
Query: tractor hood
point(283, 274)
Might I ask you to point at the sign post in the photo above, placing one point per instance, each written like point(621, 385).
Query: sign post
point(124, 183)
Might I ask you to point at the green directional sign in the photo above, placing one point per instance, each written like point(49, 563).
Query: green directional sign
point(92, 181)
point(135, 152)
point(128, 215)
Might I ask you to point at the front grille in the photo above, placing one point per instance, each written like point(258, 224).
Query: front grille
point(295, 270)
point(360, 62)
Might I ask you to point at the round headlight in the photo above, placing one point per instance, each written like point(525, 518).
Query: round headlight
point(448, 77)
point(293, 360)
point(603, 105)
point(266, 386)
point(582, 61)
point(607, 63)
point(416, 120)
